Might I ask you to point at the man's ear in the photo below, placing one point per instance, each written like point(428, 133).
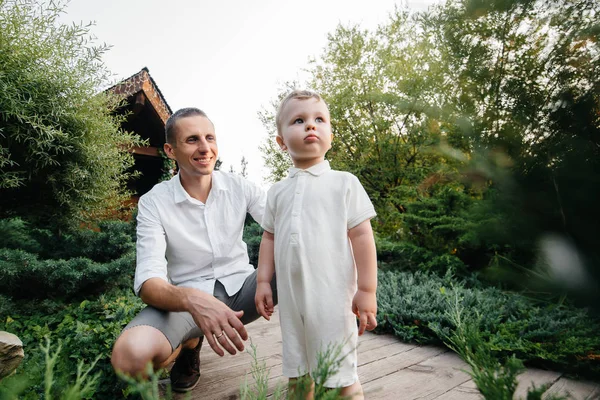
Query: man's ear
point(168, 148)
point(280, 142)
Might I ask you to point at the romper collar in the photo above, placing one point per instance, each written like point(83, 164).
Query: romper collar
point(315, 170)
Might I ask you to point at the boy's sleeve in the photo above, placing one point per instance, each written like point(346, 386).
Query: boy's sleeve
point(358, 205)
point(268, 220)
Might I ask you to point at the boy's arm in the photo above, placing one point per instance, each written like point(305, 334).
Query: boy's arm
point(364, 304)
point(266, 267)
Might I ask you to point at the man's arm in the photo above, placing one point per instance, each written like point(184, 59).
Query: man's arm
point(264, 275)
point(256, 199)
point(210, 314)
point(151, 283)
point(364, 304)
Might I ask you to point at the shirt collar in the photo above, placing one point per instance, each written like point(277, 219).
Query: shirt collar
point(180, 195)
point(315, 170)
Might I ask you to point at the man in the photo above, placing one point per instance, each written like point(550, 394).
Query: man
point(192, 266)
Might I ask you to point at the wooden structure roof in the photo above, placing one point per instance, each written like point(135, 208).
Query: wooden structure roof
point(146, 112)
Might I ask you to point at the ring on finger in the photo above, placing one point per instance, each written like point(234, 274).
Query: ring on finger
point(219, 335)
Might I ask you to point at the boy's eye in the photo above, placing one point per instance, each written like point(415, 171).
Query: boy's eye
point(298, 121)
point(319, 119)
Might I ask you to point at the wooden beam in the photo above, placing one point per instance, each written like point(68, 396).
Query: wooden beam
point(145, 151)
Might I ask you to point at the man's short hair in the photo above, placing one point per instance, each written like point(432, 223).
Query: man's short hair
point(296, 94)
point(179, 114)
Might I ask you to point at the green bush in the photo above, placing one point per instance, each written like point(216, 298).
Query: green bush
point(406, 256)
point(63, 156)
point(36, 263)
point(540, 334)
point(86, 329)
point(252, 236)
point(108, 241)
point(23, 275)
point(496, 379)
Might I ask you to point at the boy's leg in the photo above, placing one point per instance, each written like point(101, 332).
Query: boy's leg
point(301, 388)
point(354, 391)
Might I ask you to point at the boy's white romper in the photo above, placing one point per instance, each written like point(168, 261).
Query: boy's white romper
point(310, 213)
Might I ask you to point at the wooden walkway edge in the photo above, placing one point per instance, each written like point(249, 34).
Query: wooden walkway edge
point(388, 369)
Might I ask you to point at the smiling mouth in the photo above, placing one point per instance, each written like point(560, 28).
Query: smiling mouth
point(203, 160)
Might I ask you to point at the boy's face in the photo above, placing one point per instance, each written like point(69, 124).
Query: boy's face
point(195, 148)
point(305, 131)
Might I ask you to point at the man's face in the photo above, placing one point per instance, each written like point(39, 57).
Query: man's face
point(195, 148)
point(305, 131)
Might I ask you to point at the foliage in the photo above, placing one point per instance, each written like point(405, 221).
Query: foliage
point(83, 387)
point(260, 376)
point(406, 256)
point(86, 329)
point(495, 102)
point(63, 156)
point(169, 166)
point(148, 389)
point(23, 275)
point(252, 236)
point(36, 263)
point(495, 379)
point(540, 334)
point(526, 78)
point(276, 161)
point(328, 362)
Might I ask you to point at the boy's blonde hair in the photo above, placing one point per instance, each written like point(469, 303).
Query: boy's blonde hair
point(296, 94)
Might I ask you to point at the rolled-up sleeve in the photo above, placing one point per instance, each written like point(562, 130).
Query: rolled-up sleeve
point(256, 198)
point(150, 246)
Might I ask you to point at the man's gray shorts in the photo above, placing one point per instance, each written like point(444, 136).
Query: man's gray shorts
point(180, 326)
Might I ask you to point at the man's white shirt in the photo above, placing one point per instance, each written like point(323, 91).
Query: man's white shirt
point(192, 244)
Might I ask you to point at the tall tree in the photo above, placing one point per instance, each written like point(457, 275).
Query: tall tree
point(63, 156)
point(487, 103)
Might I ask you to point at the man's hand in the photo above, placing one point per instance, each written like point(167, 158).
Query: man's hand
point(220, 324)
point(364, 306)
point(264, 299)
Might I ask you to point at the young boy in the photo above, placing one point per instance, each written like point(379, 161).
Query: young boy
point(318, 237)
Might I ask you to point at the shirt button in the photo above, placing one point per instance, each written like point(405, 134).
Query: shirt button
point(298, 192)
point(294, 214)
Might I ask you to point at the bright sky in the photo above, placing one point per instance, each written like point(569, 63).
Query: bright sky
point(227, 58)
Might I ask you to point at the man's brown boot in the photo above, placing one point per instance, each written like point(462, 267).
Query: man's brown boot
point(185, 373)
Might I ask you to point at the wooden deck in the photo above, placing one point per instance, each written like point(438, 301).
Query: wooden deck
point(388, 369)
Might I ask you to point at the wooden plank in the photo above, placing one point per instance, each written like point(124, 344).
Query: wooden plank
point(388, 369)
point(576, 390)
point(428, 379)
point(462, 392)
point(534, 376)
point(396, 362)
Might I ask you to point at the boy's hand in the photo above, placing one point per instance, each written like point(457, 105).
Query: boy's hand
point(264, 300)
point(364, 306)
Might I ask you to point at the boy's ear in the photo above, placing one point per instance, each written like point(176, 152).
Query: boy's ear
point(282, 145)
